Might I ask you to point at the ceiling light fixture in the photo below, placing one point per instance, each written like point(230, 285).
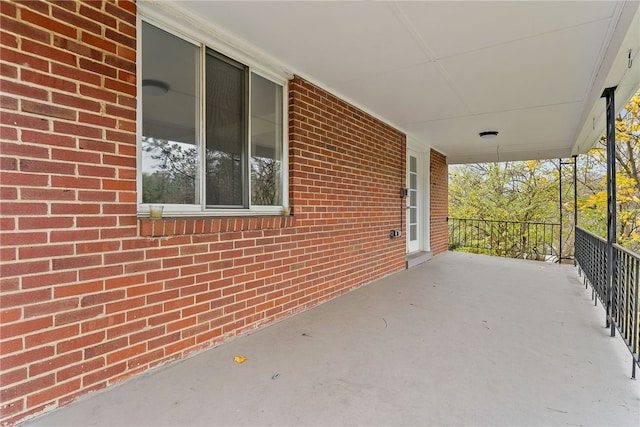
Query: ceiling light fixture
point(488, 134)
point(154, 87)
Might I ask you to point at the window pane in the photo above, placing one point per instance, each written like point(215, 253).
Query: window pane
point(169, 118)
point(266, 142)
point(226, 131)
point(413, 198)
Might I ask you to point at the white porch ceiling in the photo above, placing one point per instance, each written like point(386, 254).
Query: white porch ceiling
point(443, 71)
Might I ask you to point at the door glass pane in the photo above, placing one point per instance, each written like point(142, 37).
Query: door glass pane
point(413, 164)
point(169, 118)
point(266, 142)
point(413, 199)
point(225, 131)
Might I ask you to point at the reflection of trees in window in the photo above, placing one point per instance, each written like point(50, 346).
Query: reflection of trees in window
point(173, 179)
point(171, 171)
point(224, 178)
point(265, 181)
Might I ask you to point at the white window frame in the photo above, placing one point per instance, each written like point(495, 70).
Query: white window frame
point(202, 39)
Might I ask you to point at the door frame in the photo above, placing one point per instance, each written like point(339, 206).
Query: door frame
point(422, 153)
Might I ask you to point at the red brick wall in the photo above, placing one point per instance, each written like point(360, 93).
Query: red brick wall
point(439, 181)
point(90, 294)
point(346, 173)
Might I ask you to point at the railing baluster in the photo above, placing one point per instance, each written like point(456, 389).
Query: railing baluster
point(635, 334)
point(591, 257)
point(529, 240)
point(491, 240)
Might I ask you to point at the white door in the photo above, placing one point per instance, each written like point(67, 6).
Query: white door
point(413, 214)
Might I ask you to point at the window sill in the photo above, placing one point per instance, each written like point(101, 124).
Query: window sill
point(186, 226)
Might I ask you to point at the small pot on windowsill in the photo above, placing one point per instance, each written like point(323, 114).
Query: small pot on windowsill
point(155, 211)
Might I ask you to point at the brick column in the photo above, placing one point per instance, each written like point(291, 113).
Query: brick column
point(439, 182)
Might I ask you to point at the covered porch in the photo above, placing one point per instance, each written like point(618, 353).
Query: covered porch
point(460, 340)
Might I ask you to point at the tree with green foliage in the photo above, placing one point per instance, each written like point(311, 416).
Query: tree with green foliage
point(511, 191)
point(519, 198)
point(529, 191)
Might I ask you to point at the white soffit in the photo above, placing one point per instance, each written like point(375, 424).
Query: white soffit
point(621, 70)
point(442, 71)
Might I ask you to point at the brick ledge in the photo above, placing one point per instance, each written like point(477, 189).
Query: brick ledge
point(186, 226)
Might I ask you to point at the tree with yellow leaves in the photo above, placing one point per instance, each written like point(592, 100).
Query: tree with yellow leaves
point(592, 202)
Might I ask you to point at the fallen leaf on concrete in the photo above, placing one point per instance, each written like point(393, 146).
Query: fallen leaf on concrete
point(240, 359)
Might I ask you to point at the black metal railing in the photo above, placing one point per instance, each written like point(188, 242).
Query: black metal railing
point(591, 258)
point(526, 240)
point(619, 293)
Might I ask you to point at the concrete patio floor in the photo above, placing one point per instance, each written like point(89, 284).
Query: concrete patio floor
point(462, 340)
